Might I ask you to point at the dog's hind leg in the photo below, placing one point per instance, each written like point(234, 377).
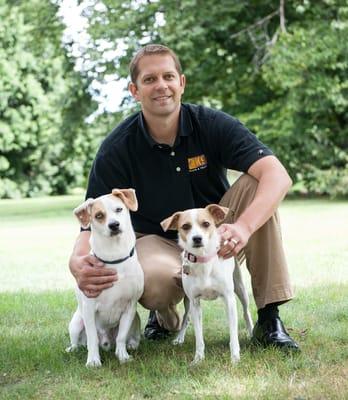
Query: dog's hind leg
point(76, 329)
point(134, 334)
point(181, 335)
point(242, 294)
point(231, 308)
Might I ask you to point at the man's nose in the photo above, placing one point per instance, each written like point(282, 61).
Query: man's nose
point(161, 84)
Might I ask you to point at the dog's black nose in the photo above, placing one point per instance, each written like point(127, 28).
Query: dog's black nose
point(197, 239)
point(114, 226)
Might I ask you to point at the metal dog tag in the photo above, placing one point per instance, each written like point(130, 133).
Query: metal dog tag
point(186, 269)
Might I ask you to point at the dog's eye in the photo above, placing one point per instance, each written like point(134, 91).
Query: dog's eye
point(186, 227)
point(99, 215)
point(118, 209)
point(206, 224)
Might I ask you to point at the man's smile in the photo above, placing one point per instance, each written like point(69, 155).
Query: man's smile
point(162, 98)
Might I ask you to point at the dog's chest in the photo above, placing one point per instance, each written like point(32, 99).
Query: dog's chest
point(206, 283)
point(113, 302)
point(201, 286)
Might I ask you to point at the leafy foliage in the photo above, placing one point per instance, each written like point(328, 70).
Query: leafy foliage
point(289, 87)
point(43, 103)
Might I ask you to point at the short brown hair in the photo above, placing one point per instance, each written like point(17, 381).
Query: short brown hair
point(149, 50)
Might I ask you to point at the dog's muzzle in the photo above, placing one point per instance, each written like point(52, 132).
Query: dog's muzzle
point(114, 228)
point(197, 241)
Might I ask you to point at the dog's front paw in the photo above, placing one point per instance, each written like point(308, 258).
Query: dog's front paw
point(93, 362)
point(235, 358)
point(178, 340)
point(123, 356)
point(71, 348)
point(197, 360)
point(133, 344)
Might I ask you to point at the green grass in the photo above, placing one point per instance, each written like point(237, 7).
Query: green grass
point(37, 301)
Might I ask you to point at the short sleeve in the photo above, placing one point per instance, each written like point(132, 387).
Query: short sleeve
point(235, 146)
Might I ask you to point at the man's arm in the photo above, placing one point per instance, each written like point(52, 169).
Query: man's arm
point(274, 183)
point(90, 274)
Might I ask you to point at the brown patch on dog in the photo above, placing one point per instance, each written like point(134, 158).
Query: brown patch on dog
point(185, 224)
point(218, 212)
point(206, 221)
point(83, 213)
point(128, 197)
point(98, 212)
point(171, 223)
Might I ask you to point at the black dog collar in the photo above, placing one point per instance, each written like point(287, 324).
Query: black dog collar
point(116, 261)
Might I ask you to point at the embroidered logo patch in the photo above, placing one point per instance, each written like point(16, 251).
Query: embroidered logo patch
point(196, 163)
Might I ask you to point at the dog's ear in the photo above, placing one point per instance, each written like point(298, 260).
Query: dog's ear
point(171, 223)
point(83, 213)
point(217, 212)
point(128, 197)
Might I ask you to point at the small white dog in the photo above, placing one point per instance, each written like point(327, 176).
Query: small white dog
point(111, 316)
point(205, 275)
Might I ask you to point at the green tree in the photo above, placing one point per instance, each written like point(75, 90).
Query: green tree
point(286, 78)
point(43, 103)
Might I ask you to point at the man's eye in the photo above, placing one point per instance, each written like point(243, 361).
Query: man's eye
point(99, 216)
point(170, 77)
point(118, 209)
point(186, 227)
point(206, 224)
point(148, 80)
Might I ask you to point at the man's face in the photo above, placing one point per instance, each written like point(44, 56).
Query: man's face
point(159, 86)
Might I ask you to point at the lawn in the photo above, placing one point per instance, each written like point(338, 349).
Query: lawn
point(37, 301)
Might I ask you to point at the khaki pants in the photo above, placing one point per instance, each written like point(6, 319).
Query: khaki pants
point(264, 255)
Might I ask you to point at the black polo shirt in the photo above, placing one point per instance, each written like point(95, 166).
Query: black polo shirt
point(167, 179)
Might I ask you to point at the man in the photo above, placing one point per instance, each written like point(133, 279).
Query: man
point(175, 155)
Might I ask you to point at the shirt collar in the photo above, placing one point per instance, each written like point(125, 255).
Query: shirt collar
point(185, 127)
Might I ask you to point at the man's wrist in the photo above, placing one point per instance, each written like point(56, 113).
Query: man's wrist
point(245, 226)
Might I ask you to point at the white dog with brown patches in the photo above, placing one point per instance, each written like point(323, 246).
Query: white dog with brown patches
point(205, 275)
point(112, 315)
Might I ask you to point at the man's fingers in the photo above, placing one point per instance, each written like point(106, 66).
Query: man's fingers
point(92, 271)
point(230, 249)
point(91, 293)
point(225, 236)
point(94, 261)
point(97, 288)
point(100, 280)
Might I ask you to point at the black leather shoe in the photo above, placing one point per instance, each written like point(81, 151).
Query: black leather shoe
point(153, 330)
point(272, 333)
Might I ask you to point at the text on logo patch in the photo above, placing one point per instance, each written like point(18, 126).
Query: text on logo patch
point(196, 163)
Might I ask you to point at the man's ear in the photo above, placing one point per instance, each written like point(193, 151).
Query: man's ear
point(182, 83)
point(132, 87)
point(83, 213)
point(217, 212)
point(128, 197)
point(171, 223)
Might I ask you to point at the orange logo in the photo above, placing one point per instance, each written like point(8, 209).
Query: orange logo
point(196, 163)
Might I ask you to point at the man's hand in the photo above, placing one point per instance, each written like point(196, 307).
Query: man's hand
point(234, 238)
point(91, 275)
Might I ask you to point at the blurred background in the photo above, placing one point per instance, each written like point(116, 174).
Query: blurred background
point(281, 67)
